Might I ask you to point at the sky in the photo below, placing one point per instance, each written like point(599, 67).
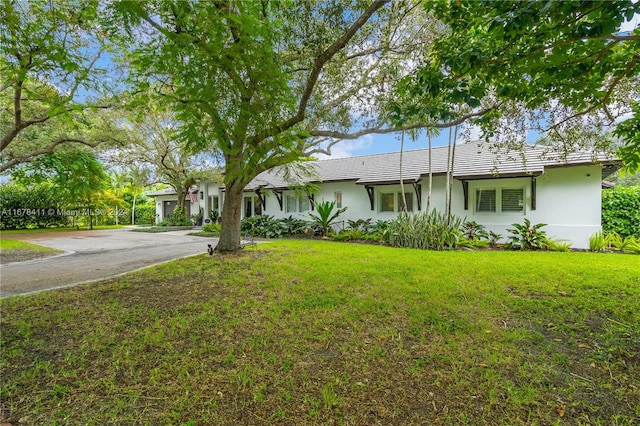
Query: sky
point(377, 144)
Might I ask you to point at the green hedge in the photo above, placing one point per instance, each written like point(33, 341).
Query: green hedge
point(145, 215)
point(621, 210)
point(34, 207)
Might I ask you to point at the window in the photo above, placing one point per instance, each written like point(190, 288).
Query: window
point(387, 202)
point(338, 196)
point(257, 205)
point(248, 206)
point(292, 204)
point(214, 202)
point(504, 200)
point(408, 196)
point(392, 202)
point(485, 200)
point(303, 202)
point(513, 200)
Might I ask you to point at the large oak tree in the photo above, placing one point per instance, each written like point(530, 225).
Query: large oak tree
point(269, 83)
point(53, 78)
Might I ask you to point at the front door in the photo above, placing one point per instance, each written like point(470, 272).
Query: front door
point(169, 207)
point(248, 206)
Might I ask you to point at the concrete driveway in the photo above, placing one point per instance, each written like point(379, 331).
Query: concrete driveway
point(94, 255)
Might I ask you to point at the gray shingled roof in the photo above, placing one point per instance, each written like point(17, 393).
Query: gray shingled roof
point(165, 191)
point(472, 161)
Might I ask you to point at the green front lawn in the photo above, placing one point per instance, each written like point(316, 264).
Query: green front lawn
point(70, 229)
point(16, 251)
point(316, 332)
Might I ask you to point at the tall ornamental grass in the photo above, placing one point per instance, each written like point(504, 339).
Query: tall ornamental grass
point(427, 230)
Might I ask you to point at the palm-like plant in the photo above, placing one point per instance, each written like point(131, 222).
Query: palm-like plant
point(528, 236)
point(325, 216)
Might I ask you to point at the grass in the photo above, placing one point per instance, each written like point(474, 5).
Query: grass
point(7, 244)
point(205, 234)
point(316, 332)
point(153, 230)
point(46, 230)
point(15, 250)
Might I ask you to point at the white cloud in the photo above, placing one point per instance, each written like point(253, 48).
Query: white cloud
point(470, 134)
point(348, 148)
point(631, 25)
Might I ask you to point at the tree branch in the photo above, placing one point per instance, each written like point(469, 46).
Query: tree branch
point(380, 130)
point(318, 65)
point(48, 150)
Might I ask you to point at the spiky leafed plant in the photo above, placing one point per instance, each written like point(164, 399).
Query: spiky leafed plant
point(325, 216)
point(527, 236)
point(428, 230)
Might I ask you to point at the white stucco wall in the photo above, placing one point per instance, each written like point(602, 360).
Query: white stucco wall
point(568, 200)
point(162, 199)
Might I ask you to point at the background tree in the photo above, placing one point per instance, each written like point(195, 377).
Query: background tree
point(269, 83)
point(558, 68)
point(625, 179)
point(76, 177)
point(52, 73)
point(157, 154)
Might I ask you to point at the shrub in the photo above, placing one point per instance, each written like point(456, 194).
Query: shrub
point(364, 225)
point(633, 245)
point(214, 215)
point(176, 218)
point(211, 227)
point(428, 230)
point(597, 241)
point(558, 245)
point(621, 210)
point(627, 244)
point(35, 207)
point(527, 236)
point(295, 226)
point(145, 215)
point(267, 227)
point(494, 238)
point(325, 215)
point(474, 231)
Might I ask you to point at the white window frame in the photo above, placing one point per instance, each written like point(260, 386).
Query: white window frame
point(304, 204)
point(397, 201)
point(337, 196)
point(291, 203)
point(499, 200)
point(476, 199)
point(380, 203)
point(214, 202)
point(409, 198)
point(524, 200)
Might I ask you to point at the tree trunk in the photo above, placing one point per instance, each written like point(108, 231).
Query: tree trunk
point(430, 176)
point(133, 210)
point(450, 184)
point(230, 225)
point(447, 195)
point(182, 193)
point(404, 199)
